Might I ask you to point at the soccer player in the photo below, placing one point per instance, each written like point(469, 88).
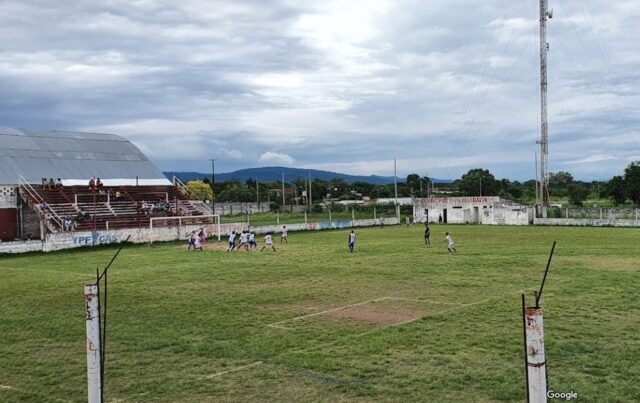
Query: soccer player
point(244, 240)
point(427, 233)
point(252, 240)
point(191, 241)
point(268, 241)
point(451, 246)
point(232, 241)
point(352, 241)
point(283, 236)
point(197, 244)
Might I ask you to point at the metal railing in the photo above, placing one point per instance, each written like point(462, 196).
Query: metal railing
point(39, 202)
point(181, 186)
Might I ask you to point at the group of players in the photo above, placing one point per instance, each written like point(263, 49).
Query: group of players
point(247, 240)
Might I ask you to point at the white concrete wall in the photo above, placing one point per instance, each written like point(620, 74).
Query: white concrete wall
point(586, 222)
point(20, 247)
point(8, 197)
point(68, 240)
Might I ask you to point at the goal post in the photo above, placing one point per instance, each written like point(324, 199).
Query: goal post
point(182, 224)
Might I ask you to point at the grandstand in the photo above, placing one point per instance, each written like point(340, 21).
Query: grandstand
point(134, 190)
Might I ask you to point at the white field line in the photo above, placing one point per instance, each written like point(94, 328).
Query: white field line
point(277, 325)
point(426, 301)
point(323, 312)
point(254, 364)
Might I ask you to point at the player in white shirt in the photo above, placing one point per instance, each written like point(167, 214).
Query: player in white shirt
point(268, 241)
point(451, 246)
point(352, 241)
point(232, 241)
point(244, 240)
point(283, 236)
point(252, 240)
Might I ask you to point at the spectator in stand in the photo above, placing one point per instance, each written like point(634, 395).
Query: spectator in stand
point(92, 183)
point(80, 216)
point(99, 184)
point(52, 184)
point(117, 195)
point(44, 183)
point(58, 183)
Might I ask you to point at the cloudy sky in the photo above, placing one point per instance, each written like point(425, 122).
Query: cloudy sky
point(441, 85)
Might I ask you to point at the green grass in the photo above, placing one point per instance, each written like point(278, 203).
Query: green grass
point(183, 325)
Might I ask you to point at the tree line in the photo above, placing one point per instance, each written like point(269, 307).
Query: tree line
point(619, 191)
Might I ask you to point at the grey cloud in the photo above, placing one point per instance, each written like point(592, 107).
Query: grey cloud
point(443, 84)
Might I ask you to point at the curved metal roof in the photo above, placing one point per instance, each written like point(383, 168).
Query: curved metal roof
point(72, 156)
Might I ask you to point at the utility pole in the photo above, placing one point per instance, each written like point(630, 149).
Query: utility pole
point(545, 14)
point(481, 186)
point(395, 182)
point(310, 198)
point(257, 191)
point(535, 161)
point(283, 188)
point(213, 186)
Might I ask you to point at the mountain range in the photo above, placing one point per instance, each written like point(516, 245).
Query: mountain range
point(273, 174)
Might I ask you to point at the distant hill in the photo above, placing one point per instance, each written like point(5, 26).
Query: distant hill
point(272, 174)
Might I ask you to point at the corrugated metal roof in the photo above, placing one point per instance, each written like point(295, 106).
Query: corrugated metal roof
point(70, 156)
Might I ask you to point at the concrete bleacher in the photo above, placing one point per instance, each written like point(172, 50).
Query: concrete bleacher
point(106, 211)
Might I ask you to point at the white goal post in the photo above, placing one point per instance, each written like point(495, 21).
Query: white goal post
point(183, 224)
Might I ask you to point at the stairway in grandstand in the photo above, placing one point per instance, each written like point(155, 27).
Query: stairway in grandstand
point(110, 207)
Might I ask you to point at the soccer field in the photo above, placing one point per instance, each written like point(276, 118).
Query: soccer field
point(394, 321)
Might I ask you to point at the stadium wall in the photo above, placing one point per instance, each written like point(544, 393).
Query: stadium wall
point(68, 240)
point(586, 222)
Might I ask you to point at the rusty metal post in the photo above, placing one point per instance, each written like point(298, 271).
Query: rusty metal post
point(93, 343)
point(536, 363)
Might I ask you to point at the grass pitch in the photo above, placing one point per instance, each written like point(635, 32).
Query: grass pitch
point(394, 321)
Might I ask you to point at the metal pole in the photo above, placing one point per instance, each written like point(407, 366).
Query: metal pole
point(277, 217)
point(283, 202)
point(544, 135)
point(395, 180)
point(257, 193)
point(310, 197)
point(524, 336)
point(535, 160)
point(305, 217)
point(213, 186)
point(93, 343)
point(353, 214)
point(536, 364)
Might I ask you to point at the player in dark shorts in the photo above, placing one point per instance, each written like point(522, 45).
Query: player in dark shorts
point(427, 234)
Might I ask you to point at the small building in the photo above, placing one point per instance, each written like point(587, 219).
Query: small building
point(472, 210)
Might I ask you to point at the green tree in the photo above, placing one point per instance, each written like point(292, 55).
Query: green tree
point(560, 179)
point(577, 194)
point(616, 190)
point(478, 182)
point(632, 182)
point(198, 190)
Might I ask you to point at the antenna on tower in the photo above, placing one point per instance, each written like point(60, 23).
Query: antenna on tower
point(545, 13)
